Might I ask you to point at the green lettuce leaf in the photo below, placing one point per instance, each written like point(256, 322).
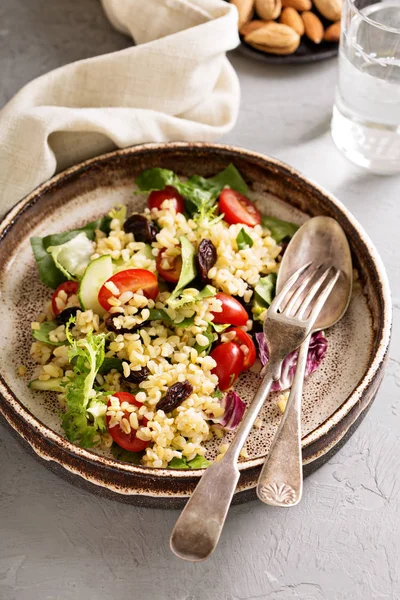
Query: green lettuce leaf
point(84, 416)
point(49, 274)
point(72, 257)
point(188, 271)
point(126, 456)
point(198, 462)
point(280, 230)
point(110, 363)
point(211, 337)
point(200, 193)
point(42, 334)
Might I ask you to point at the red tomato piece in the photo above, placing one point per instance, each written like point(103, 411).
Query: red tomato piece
point(238, 209)
point(157, 197)
point(246, 344)
point(130, 280)
point(171, 275)
point(232, 311)
point(229, 359)
point(128, 441)
point(69, 287)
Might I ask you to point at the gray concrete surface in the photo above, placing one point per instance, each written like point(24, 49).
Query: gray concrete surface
point(342, 542)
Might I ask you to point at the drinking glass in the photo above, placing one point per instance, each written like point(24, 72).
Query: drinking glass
point(366, 114)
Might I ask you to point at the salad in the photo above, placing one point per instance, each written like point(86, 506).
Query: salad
point(154, 315)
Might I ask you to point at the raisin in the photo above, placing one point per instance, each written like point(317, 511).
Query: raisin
point(175, 395)
point(143, 230)
point(64, 316)
point(138, 376)
point(110, 326)
point(206, 258)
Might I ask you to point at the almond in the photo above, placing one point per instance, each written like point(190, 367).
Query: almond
point(313, 27)
point(275, 38)
point(299, 5)
point(291, 17)
point(245, 9)
point(332, 33)
point(268, 9)
point(330, 9)
point(252, 26)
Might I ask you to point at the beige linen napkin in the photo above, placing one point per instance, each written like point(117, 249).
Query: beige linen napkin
point(176, 84)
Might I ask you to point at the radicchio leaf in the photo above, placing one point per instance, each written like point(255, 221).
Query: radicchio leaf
point(233, 413)
point(316, 353)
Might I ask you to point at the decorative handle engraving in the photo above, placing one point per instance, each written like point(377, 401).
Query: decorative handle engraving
point(277, 493)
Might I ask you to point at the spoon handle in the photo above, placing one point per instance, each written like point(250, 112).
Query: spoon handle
point(199, 526)
point(281, 479)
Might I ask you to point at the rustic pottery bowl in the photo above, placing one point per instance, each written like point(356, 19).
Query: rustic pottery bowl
point(336, 397)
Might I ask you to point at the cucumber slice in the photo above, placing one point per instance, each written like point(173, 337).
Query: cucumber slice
point(51, 385)
point(97, 272)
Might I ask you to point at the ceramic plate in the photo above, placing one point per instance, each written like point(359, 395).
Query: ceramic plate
point(336, 396)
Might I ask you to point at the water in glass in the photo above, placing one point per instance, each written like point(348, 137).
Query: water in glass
point(366, 116)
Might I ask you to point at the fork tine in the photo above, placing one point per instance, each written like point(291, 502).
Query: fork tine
point(296, 299)
point(311, 293)
point(287, 288)
point(325, 287)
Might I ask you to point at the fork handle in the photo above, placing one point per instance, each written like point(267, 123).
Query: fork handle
point(281, 479)
point(199, 526)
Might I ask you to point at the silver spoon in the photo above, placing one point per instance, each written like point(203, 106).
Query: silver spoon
point(319, 239)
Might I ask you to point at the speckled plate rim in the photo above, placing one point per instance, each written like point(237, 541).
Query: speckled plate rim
point(373, 374)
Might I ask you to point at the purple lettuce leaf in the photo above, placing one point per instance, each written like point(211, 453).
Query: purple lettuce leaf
point(316, 353)
point(234, 410)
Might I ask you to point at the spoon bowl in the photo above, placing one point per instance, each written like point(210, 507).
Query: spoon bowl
point(321, 240)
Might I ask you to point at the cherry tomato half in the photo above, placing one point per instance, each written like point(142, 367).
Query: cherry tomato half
point(232, 311)
point(171, 275)
point(229, 359)
point(246, 344)
point(238, 209)
point(157, 197)
point(130, 280)
point(70, 288)
point(128, 441)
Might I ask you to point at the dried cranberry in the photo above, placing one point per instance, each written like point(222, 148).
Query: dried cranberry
point(138, 376)
point(206, 258)
point(143, 230)
point(175, 395)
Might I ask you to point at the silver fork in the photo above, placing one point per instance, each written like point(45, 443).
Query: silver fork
point(289, 321)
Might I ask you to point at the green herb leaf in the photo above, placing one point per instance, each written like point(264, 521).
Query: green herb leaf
point(188, 271)
point(217, 394)
point(126, 456)
point(110, 363)
point(280, 230)
point(49, 274)
point(264, 292)
point(42, 334)
point(198, 462)
point(243, 240)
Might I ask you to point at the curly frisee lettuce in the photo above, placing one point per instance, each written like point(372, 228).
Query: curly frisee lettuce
point(84, 417)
